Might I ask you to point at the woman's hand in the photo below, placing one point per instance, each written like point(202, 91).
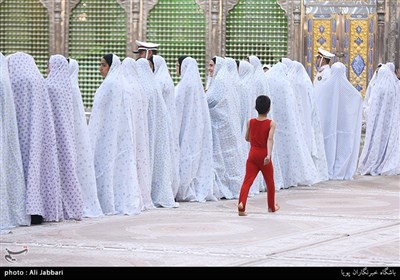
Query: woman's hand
point(267, 159)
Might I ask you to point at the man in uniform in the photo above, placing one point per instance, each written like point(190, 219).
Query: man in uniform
point(146, 49)
point(322, 61)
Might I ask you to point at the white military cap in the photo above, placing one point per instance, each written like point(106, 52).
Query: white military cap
point(325, 53)
point(143, 46)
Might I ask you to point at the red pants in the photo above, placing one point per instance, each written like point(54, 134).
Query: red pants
point(254, 164)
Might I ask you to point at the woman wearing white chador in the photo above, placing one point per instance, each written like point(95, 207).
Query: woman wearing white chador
point(12, 182)
point(381, 151)
point(235, 92)
point(114, 155)
point(60, 92)
point(83, 147)
point(167, 87)
point(246, 91)
point(309, 119)
point(140, 130)
point(37, 138)
point(291, 156)
point(195, 138)
point(339, 106)
point(225, 123)
point(162, 191)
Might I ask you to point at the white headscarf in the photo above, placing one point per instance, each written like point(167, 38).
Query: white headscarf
point(259, 77)
point(290, 68)
point(12, 182)
point(195, 138)
point(111, 132)
point(340, 110)
point(381, 151)
point(60, 92)
point(235, 80)
point(246, 93)
point(83, 147)
point(37, 138)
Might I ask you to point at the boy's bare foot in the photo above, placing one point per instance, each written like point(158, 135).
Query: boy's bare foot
point(277, 207)
point(241, 211)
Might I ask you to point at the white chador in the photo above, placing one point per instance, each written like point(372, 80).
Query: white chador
point(290, 154)
point(195, 138)
point(162, 191)
point(138, 109)
point(339, 106)
point(60, 92)
point(114, 152)
point(381, 151)
point(12, 182)
point(234, 80)
point(309, 119)
point(83, 147)
point(167, 87)
point(246, 89)
point(37, 137)
point(227, 148)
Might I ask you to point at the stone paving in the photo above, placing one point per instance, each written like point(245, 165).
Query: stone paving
point(330, 224)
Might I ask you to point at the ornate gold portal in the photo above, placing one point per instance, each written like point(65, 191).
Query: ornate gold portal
point(348, 32)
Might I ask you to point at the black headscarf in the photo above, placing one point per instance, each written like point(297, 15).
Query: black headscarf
point(152, 62)
point(180, 60)
point(108, 58)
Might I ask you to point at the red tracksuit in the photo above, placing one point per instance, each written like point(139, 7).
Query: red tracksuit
point(258, 135)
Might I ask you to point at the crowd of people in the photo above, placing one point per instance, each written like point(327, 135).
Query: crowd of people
point(152, 144)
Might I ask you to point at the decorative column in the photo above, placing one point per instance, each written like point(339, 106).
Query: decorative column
point(297, 47)
point(380, 38)
point(226, 7)
point(393, 33)
point(214, 40)
point(57, 26)
point(216, 12)
point(69, 7)
point(145, 7)
point(128, 6)
point(293, 10)
point(133, 29)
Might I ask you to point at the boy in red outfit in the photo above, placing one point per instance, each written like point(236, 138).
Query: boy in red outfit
point(260, 134)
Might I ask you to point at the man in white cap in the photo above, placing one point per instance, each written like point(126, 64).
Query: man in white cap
point(146, 49)
point(322, 61)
